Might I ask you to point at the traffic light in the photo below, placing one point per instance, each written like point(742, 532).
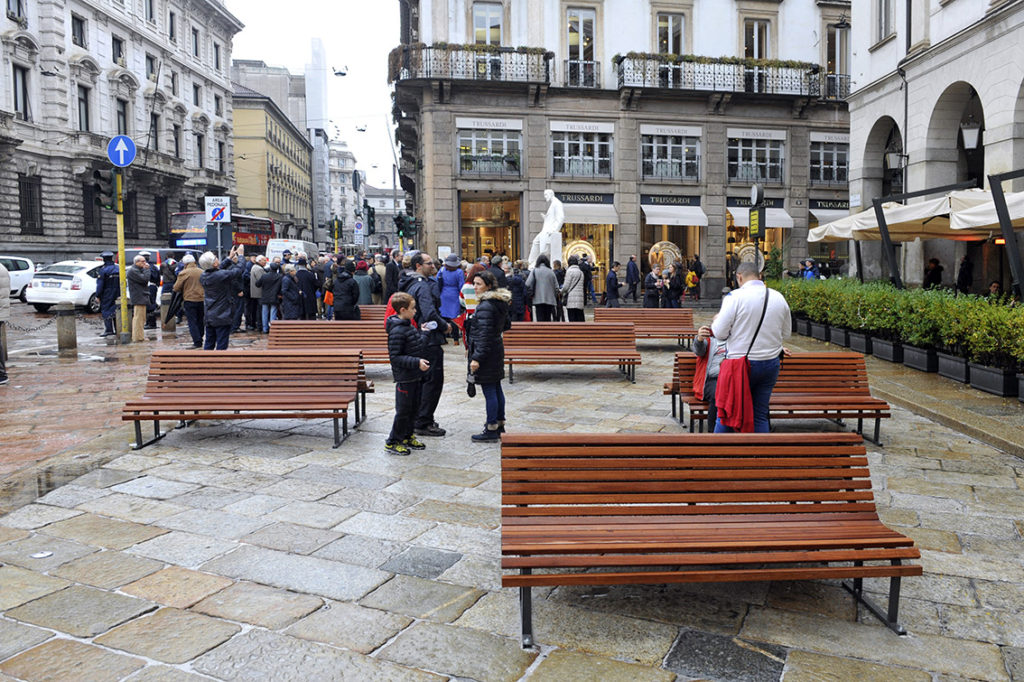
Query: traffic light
point(411, 226)
point(399, 221)
point(371, 220)
point(103, 185)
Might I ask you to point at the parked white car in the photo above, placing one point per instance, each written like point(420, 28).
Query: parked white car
point(21, 270)
point(70, 281)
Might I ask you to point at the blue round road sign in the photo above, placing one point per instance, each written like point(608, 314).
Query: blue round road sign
point(121, 151)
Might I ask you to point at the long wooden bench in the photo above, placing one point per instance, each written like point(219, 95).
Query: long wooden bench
point(372, 313)
point(610, 509)
point(653, 323)
point(293, 384)
point(830, 385)
point(550, 343)
point(368, 336)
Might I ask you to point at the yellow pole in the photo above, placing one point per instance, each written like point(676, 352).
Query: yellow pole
point(335, 235)
point(125, 334)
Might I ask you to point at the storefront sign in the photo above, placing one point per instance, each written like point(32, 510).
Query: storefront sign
point(582, 127)
point(585, 198)
point(838, 138)
point(755, 134)
point(744, 202)
point(829, 204)
point(467, 123)
point(682, 131)
point(667, 200)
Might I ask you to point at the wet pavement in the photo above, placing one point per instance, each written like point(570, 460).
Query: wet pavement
point(256, 551)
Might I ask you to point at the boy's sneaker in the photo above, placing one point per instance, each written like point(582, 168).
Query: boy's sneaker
point(413, 443)
point(3, 380)
point(396, 448)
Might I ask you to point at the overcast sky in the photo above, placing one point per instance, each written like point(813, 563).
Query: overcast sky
point(357, 34)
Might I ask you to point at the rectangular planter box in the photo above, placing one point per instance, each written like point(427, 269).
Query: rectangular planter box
point(803, 326)
point(924, 359)
point(954, 367)
point(887, 350)
point(819, 331)
point(839, 336)
point(1020, 387)
point(860, 342)
point(999, 382)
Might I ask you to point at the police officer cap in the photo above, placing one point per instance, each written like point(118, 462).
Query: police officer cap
point(107, 254)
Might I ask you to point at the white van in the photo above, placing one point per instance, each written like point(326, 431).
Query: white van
point(276, 247)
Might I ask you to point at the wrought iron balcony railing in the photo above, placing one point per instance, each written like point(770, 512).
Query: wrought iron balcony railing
point(714, 76)
point(582, 168)
point(412, 62)
point(835, 86)
point(581, 73)
point(671, 169)
point(762, 173)
point(487, 164)
point(830, 179)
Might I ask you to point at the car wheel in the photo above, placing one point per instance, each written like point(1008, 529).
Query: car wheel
point(41, 307)
point(93, 306)
point(21, 296)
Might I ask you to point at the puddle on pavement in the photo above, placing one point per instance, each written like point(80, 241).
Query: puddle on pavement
point(82, 357)
point(24, 488)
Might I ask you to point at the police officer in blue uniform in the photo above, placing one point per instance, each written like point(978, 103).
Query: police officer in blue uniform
point(108, 288)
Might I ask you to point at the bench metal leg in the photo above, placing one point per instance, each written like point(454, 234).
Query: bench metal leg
point(339, 437)
point(139, 444)
point(673, 396)
point(511, 377)
point(364, 404)
point(890, 617)
point(878, 426)
point(526, 612)
point(860, 426)
point(358, 412)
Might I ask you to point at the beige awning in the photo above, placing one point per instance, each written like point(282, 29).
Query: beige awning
point(674, 215)
point(591, 214)
point(825, 216)
point(773, 217)
point(983, 216)
point(928, 219)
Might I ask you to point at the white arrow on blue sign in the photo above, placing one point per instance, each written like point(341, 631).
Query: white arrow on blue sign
point(121, 151)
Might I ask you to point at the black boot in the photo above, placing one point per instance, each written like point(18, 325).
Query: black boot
point(501, 426)
point(490, 433)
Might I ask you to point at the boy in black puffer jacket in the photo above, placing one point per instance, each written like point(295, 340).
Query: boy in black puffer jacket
point(405, 349)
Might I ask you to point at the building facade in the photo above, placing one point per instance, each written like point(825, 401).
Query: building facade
point(76, 73)
point(387, 202)
point(651, 144)
point(273, 164)
point(347, 193)
point(924, 71)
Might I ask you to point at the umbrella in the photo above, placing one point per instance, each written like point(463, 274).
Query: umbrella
point(984, 216)
point(175, 306)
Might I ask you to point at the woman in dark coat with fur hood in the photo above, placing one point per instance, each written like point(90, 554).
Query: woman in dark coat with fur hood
point(487, 351)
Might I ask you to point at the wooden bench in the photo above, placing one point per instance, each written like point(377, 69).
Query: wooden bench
point(653, 323)
point(548, 343)
point(372, 313)
point(831, 385)
point(367, 336)
point(250, 384)
point(611, 509)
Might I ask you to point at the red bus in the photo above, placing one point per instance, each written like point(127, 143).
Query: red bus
point(188, 231)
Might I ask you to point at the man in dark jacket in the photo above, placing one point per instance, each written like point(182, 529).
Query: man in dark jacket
point(291, 294)
point(611, 286)
point(138, 295)
point(108, 288)
point(632, 277)
point(429, 319)
point(308, 288)
point(154, 290)
point(270, 294)
point(499, 274)
point(405, 350)
point(392, 273)
point(346, 292)
point(588, 279)
point(222, 283)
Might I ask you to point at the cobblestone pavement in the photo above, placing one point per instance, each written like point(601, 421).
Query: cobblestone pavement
point(243, 551)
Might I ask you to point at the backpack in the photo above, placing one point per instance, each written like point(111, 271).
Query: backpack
point(376, 285)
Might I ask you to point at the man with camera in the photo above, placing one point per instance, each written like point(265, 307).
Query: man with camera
point(222, 285)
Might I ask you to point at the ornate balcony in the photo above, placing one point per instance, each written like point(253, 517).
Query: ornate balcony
point(835, 86)
point(718, 75)
point(487, 164)
point(671, 169)
point(470, 62)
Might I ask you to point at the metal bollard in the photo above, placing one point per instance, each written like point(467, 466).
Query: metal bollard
point(67, 334)
point(168, 326)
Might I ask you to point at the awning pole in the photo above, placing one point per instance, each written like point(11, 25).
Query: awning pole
point(860, 261)
point(1009, 236)
point(887, 247)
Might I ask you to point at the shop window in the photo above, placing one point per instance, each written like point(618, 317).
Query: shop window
point(489, 225)
point(759, 161)
point(829, 163)
point(581, 154)
point(670, 156)
point(490, 152)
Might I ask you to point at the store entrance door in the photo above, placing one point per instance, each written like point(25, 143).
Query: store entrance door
point(489, 224)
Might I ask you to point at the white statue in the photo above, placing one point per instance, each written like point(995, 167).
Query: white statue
point(549, 241)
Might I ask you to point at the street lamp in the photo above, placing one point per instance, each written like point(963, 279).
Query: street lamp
point(971, 132)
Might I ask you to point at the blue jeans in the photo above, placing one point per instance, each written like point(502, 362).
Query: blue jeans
point(763, 374)
point(494, 399)
point(217, 337)
point(269, 315)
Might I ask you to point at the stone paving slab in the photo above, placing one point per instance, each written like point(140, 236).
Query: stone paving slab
point(258, 605)
point(41, 552)
point(64, 660)
point(10, 534)
point(170, 635)
point(721, 657)
point(107, 570)
point(421, 562)
point(16, 637)
point(257, 655)
point(312, 575)
point(315, 514)
point(804, 666)
point(81, 611)
point(350, 626)
point(457, 512)
point(176, 586)
point(163, 673)
point(395, 528)
point(569, 666)
point(21, 585)
point(154, 487)
point(131, 508)
point(183, 549)
point(35, 516)
point(102, 531)
point(292, 538)
point(360, 550)
point(445, 649)
point(422, 599)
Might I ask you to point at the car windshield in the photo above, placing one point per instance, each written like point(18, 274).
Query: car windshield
point(61, 269)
